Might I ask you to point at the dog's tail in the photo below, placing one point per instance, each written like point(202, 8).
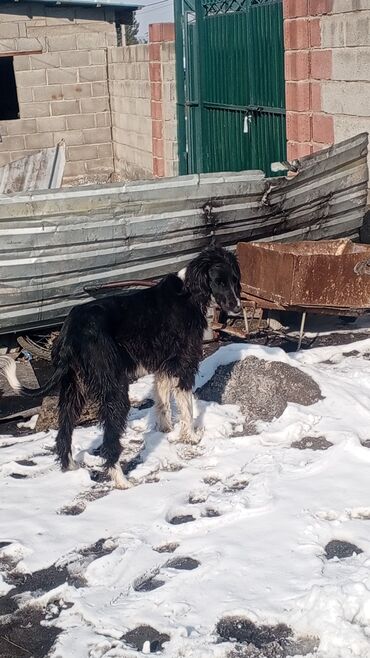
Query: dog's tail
point(9, 370)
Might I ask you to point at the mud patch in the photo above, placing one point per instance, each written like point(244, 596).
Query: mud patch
point(148, 584)
point(179, 520)
point(262, 389)
point(146, 634)
point(166, 548)
point(341, 549)
point(182, 563)
point(312, 443)
point(262, 641)
point(25, 636)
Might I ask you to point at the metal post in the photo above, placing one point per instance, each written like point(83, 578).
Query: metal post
point(180, 86)
point(301, 331)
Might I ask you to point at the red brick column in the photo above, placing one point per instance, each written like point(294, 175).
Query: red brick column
point(158, 33)
point(306, 66)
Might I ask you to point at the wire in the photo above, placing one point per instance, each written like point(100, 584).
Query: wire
point(154, 5)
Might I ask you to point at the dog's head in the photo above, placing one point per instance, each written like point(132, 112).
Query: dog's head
point(224, 282)
point(215, 274)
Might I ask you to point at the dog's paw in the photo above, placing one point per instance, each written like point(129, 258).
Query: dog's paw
point(190, 438)
point(118, 479)
point(163, 425)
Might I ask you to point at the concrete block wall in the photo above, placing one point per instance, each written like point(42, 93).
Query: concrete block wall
point(131, 111)
point(143, 100)
point(327, 64)
point(62, 85)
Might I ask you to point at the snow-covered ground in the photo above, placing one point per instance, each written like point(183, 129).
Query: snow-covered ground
point(254, 512)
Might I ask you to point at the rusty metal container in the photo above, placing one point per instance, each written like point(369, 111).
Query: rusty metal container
point(329, 275)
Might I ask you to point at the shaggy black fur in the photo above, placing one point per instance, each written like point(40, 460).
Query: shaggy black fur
point(159, 329)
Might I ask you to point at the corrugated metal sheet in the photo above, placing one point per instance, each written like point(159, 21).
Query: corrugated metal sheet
point(87, 3)
point(54, 243)
point(39, 171)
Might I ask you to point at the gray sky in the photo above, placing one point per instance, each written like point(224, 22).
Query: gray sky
point(154, 12)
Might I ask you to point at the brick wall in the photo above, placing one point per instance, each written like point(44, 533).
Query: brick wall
point(62, 86)
point(143, 98)
point(327, 63)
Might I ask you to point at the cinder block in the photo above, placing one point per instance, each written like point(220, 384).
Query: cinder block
point(97, 135)
point(40, 141)
point(45, 61)
point(30, 78)
point(48, 93)
point(297, 65)
point(296, 34)
point(333, 31)
point(77, 91)
point(321, 64)
point(297, 151)
point(72, 169)
point(168, 52)
point(94, 105)
point(342, 6)
point(51, 124)
point(99, 89)
point(323, 129)
point(80, 121)
point(28, 43)
point(91, 41)
point(34, 109)
point(13, 143)
point(98, 57)
point(102, 119)
point(22, 63)
point(74, 59)
point(64, 108)
point(295, 8)
point(351, 64)
point(25, 95)
point(170, 150)
point(298, 127)
point(315, 38)
point(297, 96)
point(100, 165)
point(60, 43)
point(105, 150)
point(62, 76)
point(21, 126)
point(9, 30)
point(71, 137)
point(85, 152)
point(4, 158)
point(317, 7)
point(8, 45)
point(92, 73)
point(346, 98)
point(358, 28)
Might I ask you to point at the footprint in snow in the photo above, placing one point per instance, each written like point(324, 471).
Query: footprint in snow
point(148, 583)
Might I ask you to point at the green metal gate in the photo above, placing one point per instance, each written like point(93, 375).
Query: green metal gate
point(230, 84)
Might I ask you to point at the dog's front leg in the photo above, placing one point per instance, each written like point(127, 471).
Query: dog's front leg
point(184, 401)
point(162, 385)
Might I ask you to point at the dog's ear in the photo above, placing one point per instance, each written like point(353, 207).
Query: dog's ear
point(173, 285)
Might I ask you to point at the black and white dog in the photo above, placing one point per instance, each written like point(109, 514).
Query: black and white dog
point(158, 330)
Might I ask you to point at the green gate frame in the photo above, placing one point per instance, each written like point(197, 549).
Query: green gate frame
point(259, 105)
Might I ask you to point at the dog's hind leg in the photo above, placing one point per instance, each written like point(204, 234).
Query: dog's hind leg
point(162, 386)
point(184, 401)
point(71, 404)
point(114, 408)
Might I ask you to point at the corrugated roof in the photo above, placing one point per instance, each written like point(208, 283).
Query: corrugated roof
point(114, 4)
